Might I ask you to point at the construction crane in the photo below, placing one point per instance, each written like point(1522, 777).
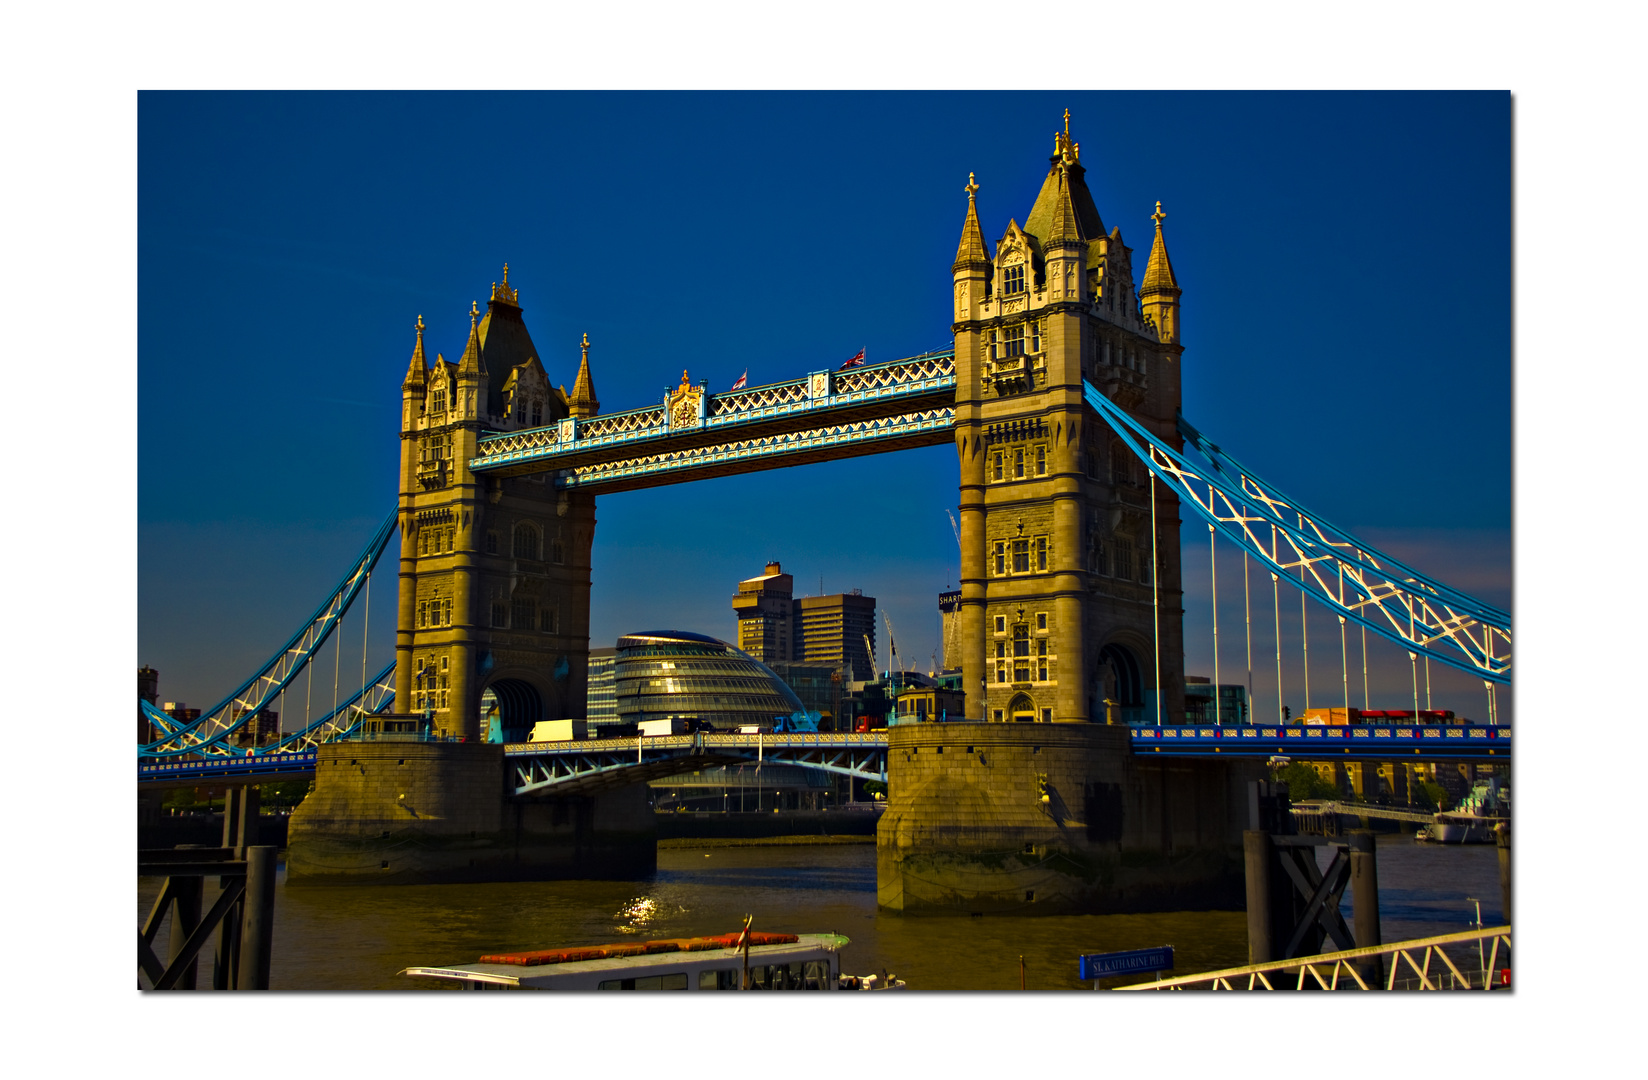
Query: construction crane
point(869, 649)
point(954, 527)
point(892, 645)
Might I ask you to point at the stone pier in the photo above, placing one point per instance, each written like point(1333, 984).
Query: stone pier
point(413, 812)
point(1055, 818)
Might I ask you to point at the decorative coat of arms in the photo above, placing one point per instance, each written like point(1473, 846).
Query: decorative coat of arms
point(683, 404)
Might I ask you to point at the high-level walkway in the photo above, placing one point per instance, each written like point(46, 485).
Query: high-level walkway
point(824, 415)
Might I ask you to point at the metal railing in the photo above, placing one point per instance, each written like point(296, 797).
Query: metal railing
point(1330, 969)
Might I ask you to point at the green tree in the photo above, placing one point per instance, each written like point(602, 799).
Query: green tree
point(1432, 795)
point(1305, 782)
point(287, 793)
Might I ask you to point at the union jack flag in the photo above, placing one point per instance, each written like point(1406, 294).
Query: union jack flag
point(857, 360)
point(742, 379)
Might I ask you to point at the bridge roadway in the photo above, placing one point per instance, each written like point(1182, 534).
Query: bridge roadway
point(568, 768)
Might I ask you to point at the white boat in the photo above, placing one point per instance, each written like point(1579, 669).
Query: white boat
point(1473, 820)
point(767, 962)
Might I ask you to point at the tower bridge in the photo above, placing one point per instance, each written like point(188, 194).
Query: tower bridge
point(1062, 396)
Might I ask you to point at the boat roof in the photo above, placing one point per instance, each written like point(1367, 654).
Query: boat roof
point(533, 974)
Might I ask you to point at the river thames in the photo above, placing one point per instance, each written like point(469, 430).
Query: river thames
point(359, 938)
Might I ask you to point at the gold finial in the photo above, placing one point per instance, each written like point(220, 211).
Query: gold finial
point(1067, 123)
point(586, 343)
point(506, 275)
point(1158, 216)
point(420, 326)
point(474, 312)
point(971, 188)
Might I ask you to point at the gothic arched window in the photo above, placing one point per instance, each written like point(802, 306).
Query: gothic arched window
point(526, 541)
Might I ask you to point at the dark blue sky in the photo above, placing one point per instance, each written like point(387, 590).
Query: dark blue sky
point(1345, 260)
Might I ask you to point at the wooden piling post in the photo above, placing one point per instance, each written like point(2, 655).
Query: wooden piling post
point(1364, 899)
point(258, 925)
point(1256, 848)
point(231, 816)
point(185, 918)
point(246, 832)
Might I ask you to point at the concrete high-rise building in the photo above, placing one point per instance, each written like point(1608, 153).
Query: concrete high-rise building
point(837, 630)
point(775, 626)
point(766, 614)
point(494, 569)
point(1070, 554)
point(148, 689)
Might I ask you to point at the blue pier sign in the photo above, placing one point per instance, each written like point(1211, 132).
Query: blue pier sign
point(1104, 965)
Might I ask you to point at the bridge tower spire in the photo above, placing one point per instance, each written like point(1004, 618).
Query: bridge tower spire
point(1159, 294)
point(494, 572)
point(583, 402)
point(1057, 552)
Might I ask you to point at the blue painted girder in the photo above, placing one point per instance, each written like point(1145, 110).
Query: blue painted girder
point(592, 763)
point(208, 732)
point(1339, 571)
point(1355, 742)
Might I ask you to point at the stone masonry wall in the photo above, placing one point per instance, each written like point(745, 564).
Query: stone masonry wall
point(393, 813)
point(1055, 818)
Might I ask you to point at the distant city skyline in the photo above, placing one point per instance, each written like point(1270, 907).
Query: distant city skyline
point(1345, 260)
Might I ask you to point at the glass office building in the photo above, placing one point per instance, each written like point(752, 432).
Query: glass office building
point(676, 674)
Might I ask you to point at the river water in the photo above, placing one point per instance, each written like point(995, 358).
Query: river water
point(358, 938)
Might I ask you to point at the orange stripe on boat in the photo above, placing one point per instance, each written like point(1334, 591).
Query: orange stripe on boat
point(538, 957)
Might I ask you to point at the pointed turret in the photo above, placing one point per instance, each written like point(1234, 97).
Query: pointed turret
point(971, 254)
point(582, 402)
point(1159, 293)
point(417, 372)
point(470, 363)
point(1158, 272)
point(1064, 194)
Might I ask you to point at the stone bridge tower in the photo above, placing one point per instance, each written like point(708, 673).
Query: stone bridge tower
point(1067, 598)
point(494, 572)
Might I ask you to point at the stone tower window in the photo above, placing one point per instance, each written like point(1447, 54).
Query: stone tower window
point(995, 465)
point(437, 400)
point(1041, 620)
point(524, 613)
point(492, 543)
point(1041, 553)
point(1041, 460)
point(1021, 558)
point(1021, 652)
point(1035, 336)
point(520, 410)
point(1012, 279)
point(1001, 568)
point(1013, 336)
point(526, 541)
point(1001, 624)
point(500, 615)
point(546, 620)
point(1124, 558)
point(1018, 464)
point(557, 553)
point(537, 413)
